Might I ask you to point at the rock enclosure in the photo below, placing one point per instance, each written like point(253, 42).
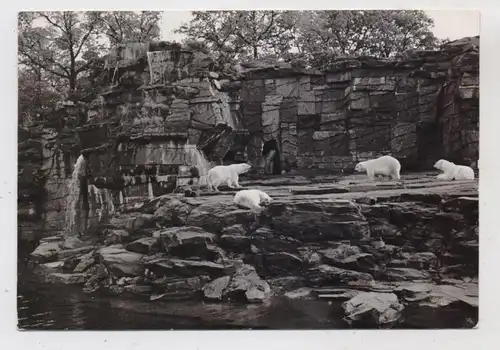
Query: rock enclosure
point(413, 246)
point(141, 226)
point(167, 108)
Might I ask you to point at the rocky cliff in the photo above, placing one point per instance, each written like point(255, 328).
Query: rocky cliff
point(419, 108)
point(164, 106)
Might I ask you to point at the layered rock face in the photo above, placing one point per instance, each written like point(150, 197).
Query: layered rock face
point(419, 108)
point(378, 247)
point(162, 105)
point(165, 107)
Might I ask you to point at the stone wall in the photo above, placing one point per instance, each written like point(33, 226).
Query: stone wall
point(419, 108)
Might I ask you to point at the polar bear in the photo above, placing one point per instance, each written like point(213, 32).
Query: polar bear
point(226, 174)
point(252, 199)
point(385, 166)
point(451, 171)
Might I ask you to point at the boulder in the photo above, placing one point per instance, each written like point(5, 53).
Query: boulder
point(85, 261)
point(53, 265)
point(268, 241)
point(349, 257)
point(146, 245)
point(369, 309)
point(72, 243)
point(244, 285)
point(215, 216)
point(72, 253)
point(188, 242)
point(324, 275)
point(432, 295)
point(133, 221)
point(238, 230)
point(121, 262)
point(46, 252)
point(278, 264)
point(172, 212)
point(314, 220)
point(281, 285)
point(420, 260)
point(165, 266)
point(215, 289)
point(235, 243)
point(301, 293)
point(405, 274)
point(67, 278)
point(310, 255)
point(178, 288)
point(117, 236)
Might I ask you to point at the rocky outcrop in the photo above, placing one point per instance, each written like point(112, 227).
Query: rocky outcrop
point(165, 107)
point(415, 246)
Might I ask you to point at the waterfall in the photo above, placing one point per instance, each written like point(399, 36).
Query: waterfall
point(226, 110)
point(150, 190)
point(196, 157)
point(122, 198)
point(74, 195)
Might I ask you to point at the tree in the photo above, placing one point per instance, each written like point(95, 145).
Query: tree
point(36, 96)
point(66, 46)
point(325, 35)
point(123, 26)
point(241, 34)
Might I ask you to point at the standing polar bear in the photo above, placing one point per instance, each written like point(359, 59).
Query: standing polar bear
point(451, 171)
point(385, 166)
point(252, 199)
point(226, 174)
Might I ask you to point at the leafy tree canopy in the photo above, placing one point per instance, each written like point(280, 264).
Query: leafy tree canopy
point(61, 52)
point(315, 37)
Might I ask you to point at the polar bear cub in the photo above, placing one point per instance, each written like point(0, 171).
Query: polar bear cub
point(451, 171)
point(385, 166)
point(226, 174)
point(252, 199)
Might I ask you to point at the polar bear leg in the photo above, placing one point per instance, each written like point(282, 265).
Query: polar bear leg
point(371, 174)
point(234, 180)
point(395, 175)
point(256, 206)
point(209, 183)
point(443, 176)
point(216, 184)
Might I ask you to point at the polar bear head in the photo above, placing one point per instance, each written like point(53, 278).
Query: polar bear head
point(438, 164)
point(265, 198)
point(359, 167)
point(442, 164)
point(242, 168)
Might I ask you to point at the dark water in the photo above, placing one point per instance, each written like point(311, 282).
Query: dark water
point(49, 306)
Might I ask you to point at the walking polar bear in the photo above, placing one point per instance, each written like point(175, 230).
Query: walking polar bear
point(228, 174)
point(252, 199)
point(451, 171)
point(385, 166)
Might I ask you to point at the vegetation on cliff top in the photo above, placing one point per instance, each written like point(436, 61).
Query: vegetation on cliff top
point(61, 54)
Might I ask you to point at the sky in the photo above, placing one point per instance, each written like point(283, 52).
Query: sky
point(451, 24)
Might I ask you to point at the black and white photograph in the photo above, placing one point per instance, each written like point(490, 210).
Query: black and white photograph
point(248, 170)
